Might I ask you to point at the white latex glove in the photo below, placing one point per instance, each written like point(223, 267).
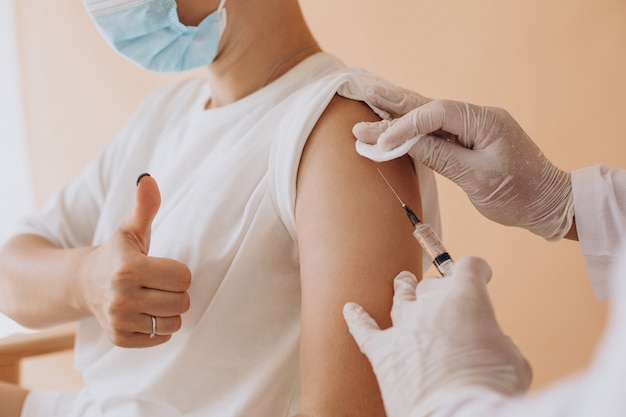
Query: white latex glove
point(444, 345)
point(506, 176)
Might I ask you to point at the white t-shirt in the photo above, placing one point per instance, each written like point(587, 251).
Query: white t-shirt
point(600, 210)
point(227, 179)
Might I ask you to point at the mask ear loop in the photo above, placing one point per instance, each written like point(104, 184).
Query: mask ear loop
point(221, 5)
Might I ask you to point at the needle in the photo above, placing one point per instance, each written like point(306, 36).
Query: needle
point(410, 214)
point(390, 187)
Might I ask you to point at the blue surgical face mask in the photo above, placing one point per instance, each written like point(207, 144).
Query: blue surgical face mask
point(149, 33)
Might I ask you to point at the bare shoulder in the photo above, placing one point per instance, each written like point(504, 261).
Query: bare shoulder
point(353, 239)
point(337, 121)
point(331, 171)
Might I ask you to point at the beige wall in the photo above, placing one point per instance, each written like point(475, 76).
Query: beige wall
point(557, 66)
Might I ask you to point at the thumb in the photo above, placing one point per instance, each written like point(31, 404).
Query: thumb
point(404, 286)
point(473, 268)
point(361, 325)
point(396, 101)
point(147, 203)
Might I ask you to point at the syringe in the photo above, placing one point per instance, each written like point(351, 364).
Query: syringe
point(427, 238)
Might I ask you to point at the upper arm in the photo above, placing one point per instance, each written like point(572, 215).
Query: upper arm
point(353, 239)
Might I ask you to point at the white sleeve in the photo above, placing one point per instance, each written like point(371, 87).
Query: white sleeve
point(600, 212)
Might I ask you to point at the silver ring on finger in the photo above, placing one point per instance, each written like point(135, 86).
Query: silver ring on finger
point(154, 325)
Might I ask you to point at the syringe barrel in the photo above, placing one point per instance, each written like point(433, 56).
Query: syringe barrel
point(429, 240)
point(431, 243)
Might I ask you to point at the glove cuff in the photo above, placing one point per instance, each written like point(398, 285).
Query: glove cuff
point(557, 201)
point(562, 224)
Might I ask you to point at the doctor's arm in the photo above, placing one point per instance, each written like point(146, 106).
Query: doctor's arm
point(497, 165)
point(353, 238)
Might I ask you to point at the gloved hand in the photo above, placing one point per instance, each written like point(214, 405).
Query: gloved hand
point(506, 176)
point(444, 345)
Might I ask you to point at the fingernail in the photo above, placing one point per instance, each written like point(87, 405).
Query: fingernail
point(145, 174)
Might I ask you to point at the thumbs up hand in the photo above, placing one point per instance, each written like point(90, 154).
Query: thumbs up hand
point(137, 299)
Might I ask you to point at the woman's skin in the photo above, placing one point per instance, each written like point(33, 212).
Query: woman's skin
point(351, 231)
point(345, 248)
point(11, 399)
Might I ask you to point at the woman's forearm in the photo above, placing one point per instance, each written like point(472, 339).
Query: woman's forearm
point(116, 282)
point(39, 283)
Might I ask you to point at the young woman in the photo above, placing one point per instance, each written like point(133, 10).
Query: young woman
point(215, 286)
